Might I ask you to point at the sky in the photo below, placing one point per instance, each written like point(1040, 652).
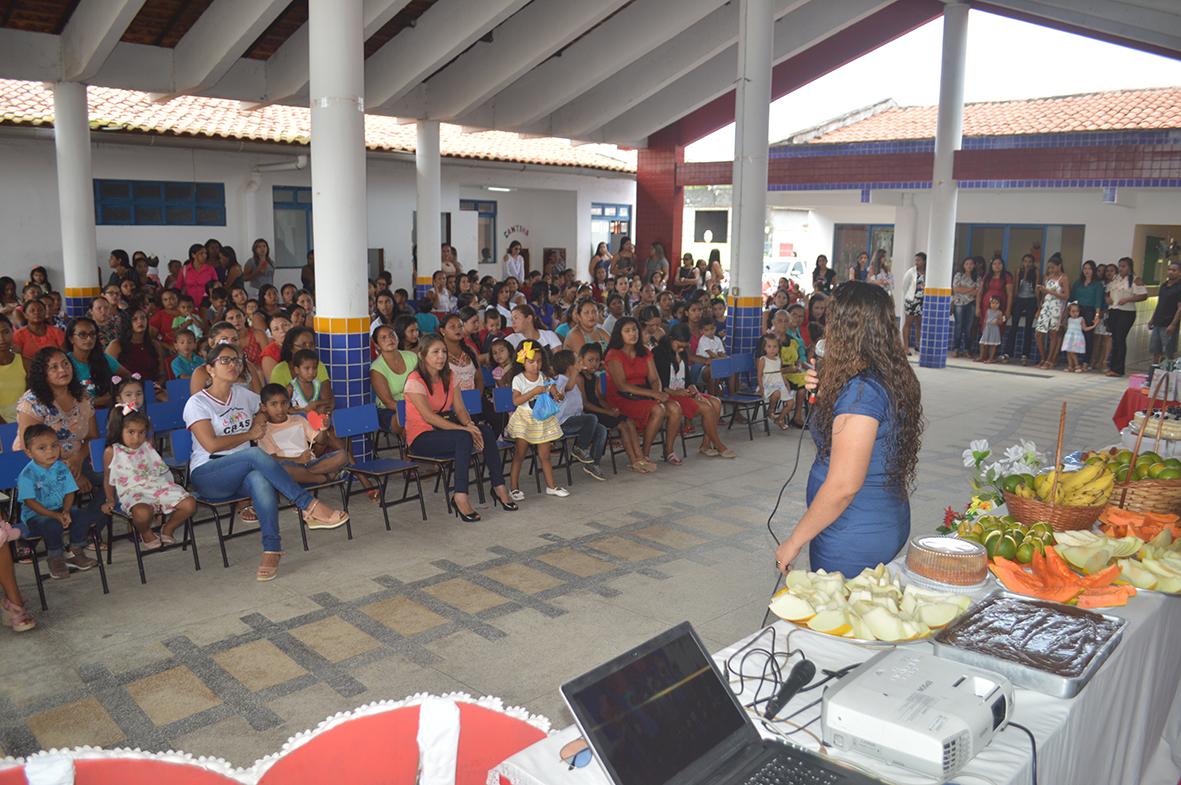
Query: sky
point(1007, 59)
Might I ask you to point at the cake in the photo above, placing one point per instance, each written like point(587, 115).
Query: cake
point(947, 560)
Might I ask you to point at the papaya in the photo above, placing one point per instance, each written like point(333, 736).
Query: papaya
point(1107, 597)
point(1057, 566)
point(1063, 593)
point(1101, 579)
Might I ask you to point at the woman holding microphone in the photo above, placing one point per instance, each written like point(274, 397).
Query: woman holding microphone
point(867, 423)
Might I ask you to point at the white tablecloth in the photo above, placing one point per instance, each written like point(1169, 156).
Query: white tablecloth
point(1127, 718)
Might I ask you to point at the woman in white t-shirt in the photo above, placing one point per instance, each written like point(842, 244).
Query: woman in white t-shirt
point(223, 419)
point(526, 326)
point(1123, 292)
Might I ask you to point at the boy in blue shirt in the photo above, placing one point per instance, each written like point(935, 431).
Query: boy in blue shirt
point(186, 360)
point(46, 489)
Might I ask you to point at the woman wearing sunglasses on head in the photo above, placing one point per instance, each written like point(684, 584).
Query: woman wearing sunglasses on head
point(224, 420)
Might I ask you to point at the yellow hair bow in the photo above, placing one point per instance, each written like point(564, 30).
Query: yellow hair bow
point(526, 352)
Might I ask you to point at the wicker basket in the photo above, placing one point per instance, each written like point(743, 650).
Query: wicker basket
point(1060, 517)
point(1148, 496)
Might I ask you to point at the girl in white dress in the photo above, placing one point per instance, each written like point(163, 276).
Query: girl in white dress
point(138, 480)
point(771, 384)
point(1074, 343)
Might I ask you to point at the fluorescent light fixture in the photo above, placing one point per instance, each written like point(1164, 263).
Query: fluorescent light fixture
point(498, 189)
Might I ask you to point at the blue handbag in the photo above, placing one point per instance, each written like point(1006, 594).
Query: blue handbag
point(544, 406)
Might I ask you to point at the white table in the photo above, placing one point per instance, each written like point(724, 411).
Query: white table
point(1128, 717)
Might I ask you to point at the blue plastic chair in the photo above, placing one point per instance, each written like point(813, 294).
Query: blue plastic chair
point(101, 416)
point(178, 390)
point(502, 402)
point(7, 436)
point(167, 416)
point(486, 372)
point(723, 369)
point(361, 421)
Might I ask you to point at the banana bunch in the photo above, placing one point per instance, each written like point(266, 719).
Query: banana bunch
point(1088, 487)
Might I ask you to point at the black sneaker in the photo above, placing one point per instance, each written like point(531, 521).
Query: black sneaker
point(594, 471)
point(581, 455)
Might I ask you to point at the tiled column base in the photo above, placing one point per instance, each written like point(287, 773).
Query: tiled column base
point(343, 345)
point(77, 300)
point(744, 318)
point(936, 334)
point(420, 287)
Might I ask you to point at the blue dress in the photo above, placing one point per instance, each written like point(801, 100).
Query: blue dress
point(876, 524)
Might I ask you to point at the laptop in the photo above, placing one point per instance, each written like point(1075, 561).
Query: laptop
point(661, 714)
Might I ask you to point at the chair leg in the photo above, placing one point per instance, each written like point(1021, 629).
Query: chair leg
point(385, 507)
point(110, 540)
point(421, 498)
point(568, 458)
point(139, 557)
point(536, 466)
point(303, 526)
point(191, 539)
point(39, 578)
point(102, 570)
point(221, 539)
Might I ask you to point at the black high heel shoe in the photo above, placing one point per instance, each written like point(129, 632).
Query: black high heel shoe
point(508, 506)
point(470, 517)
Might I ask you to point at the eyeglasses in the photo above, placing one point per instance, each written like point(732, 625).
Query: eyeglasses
point(227, 359)
point(576, 754)
point(86, 334)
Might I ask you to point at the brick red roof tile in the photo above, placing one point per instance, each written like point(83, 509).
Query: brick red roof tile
point(1148, 109)
point(31, 103)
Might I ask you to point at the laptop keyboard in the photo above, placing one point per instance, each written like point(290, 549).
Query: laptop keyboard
point(792, 770)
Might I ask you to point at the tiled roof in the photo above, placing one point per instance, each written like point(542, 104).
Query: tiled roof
point(31, 103)
point(1148, 109)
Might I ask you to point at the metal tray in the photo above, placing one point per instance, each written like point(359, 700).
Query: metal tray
point(1024, 675)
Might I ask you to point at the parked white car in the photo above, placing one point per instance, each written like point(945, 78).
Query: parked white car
point(791, 267)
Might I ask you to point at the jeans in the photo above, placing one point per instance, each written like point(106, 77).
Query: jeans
point(50, 530)
point(590, 435)
point(965, 328)
point(1119, 323)
point(1022, 307)
point(252, 473)
point(458, 446)
point(1162, 342)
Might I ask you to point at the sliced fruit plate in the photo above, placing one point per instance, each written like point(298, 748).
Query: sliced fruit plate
point(1153, 566)
point(1050, 577)
point(874, 608)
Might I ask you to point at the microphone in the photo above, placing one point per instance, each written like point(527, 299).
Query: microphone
point(819, 352)
point(802, 673)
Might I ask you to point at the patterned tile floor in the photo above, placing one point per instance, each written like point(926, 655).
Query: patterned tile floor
point(213, 663)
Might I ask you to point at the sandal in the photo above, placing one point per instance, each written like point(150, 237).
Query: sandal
point(248, 515)
point(167, 539)
point(673, 458)
point(647, 465)
point(709, 452)
point(728, 453)
point(154, 545)
point(268, 568)
point(315, 521)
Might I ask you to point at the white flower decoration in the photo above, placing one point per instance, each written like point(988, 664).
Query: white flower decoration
point(977, 452)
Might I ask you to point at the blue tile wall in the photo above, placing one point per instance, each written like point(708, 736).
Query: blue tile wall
point(744, 325)
point(936, 333)
point(346, 356)
point(76, 306)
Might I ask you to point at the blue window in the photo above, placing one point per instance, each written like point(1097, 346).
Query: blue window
point(159, 203)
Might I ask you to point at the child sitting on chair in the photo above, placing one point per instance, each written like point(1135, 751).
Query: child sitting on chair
point(290, 438)
point(46, 490)
point(137, 479)
point(308, 393)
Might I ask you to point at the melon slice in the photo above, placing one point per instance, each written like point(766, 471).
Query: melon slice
point(835, 622)
point(792, 607)
point(939, 614)
point(884, 625)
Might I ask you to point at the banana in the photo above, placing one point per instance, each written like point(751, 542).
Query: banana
point(1082, 477)
point(1043, 483)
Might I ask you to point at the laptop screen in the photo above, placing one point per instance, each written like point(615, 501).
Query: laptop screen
point(650, 717)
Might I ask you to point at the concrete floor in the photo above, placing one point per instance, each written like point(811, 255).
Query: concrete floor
point(214, 663)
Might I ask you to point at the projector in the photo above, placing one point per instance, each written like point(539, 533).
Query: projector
point(917, 711)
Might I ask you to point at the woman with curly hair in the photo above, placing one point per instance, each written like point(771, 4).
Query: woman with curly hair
point(56, 398)
point(867, 424)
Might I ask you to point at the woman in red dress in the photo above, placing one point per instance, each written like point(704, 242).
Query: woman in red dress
point(633, 387)
point(998, 283)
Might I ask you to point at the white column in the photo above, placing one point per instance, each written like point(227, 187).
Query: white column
point(336, 60)
point(428, 229)
point(905, 238)
point(751, 144)
point(75, 194)
point(941, 230)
